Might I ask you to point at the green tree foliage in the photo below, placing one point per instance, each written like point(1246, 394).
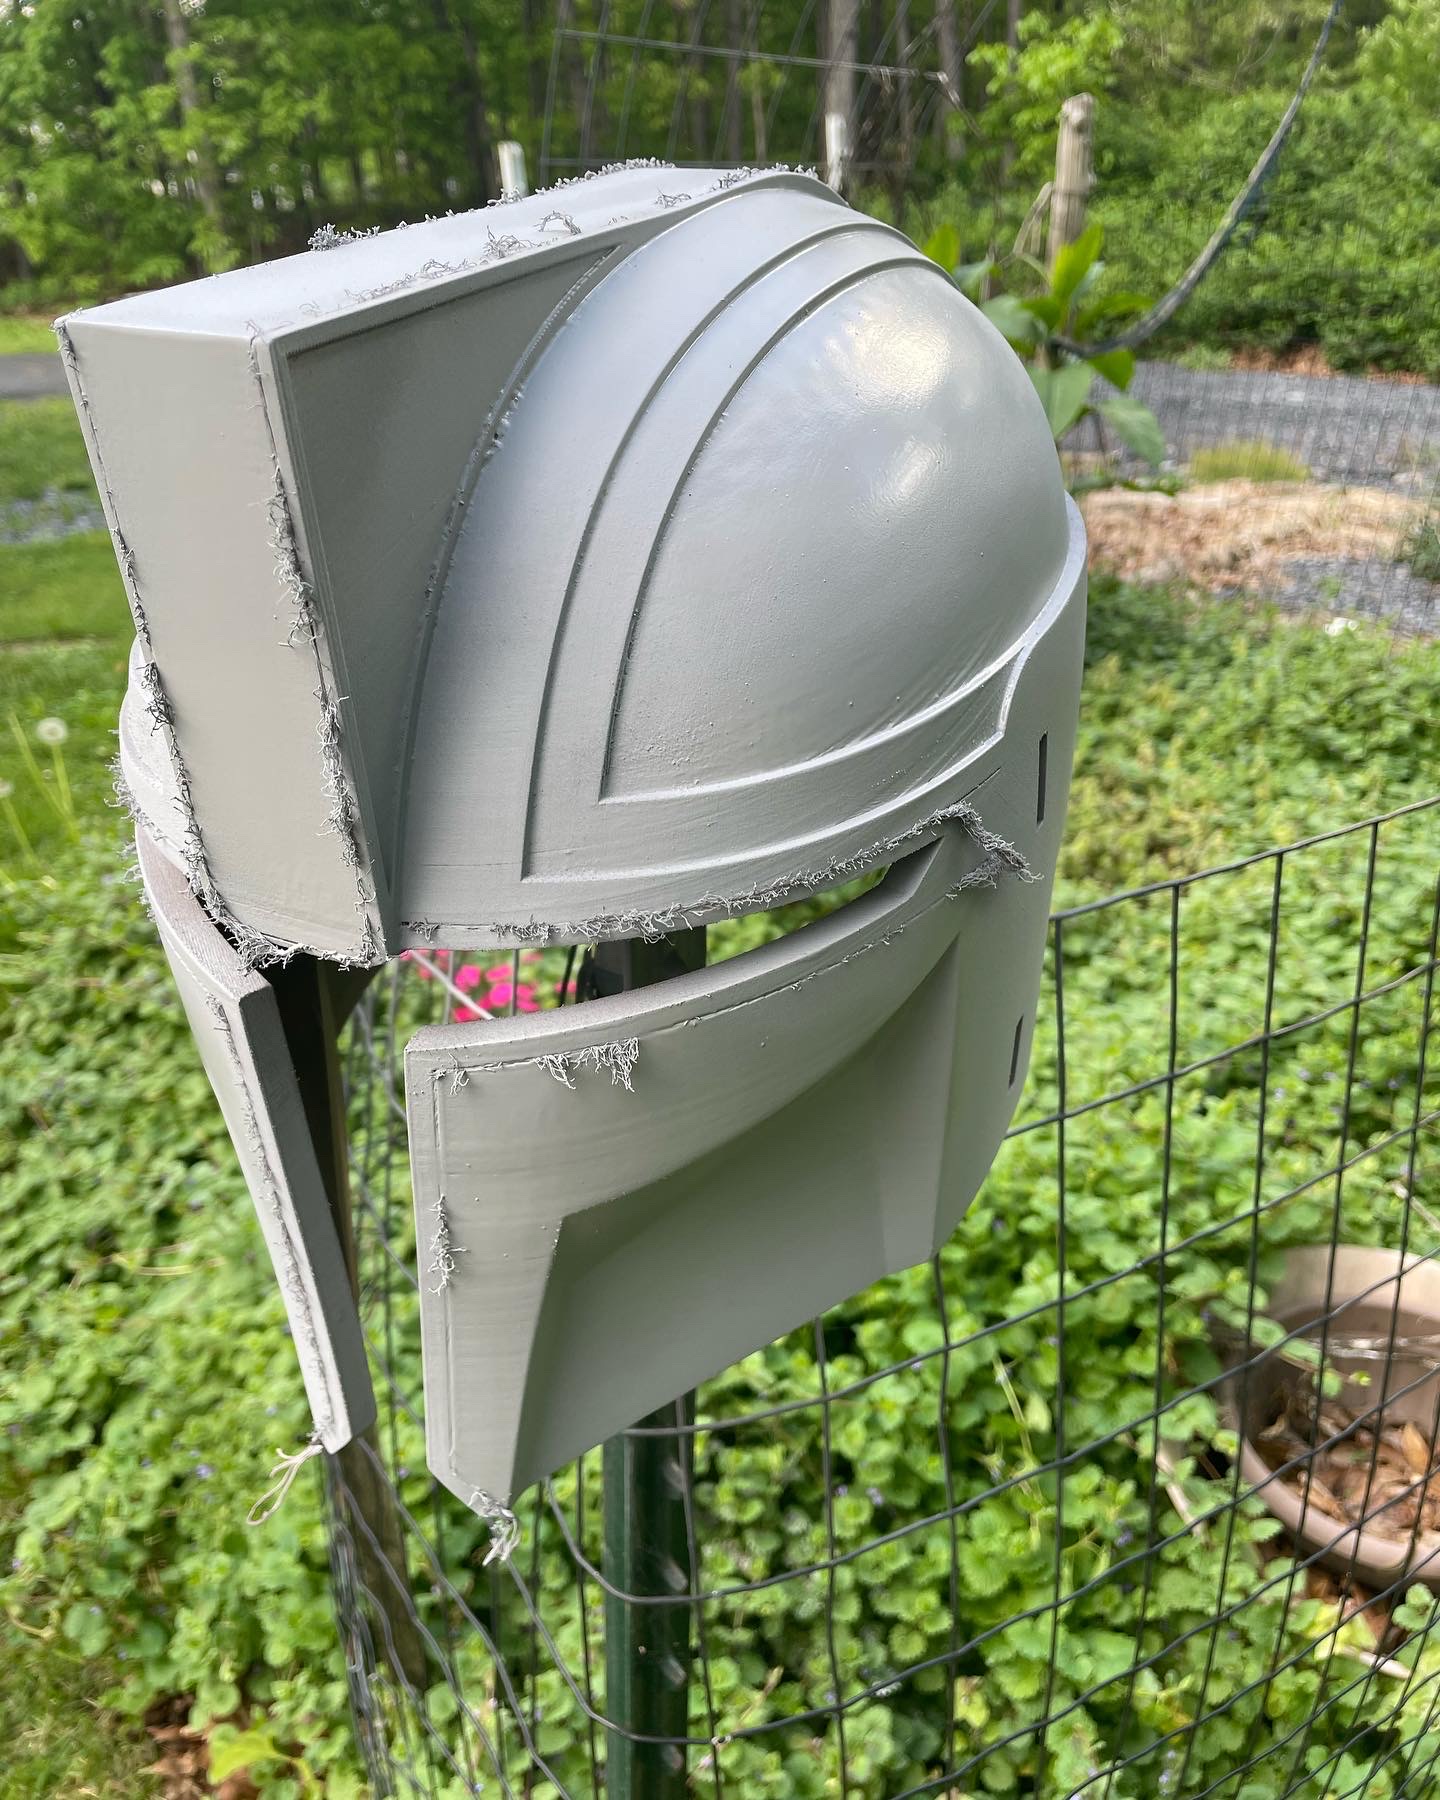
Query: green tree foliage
point(143, 141)
point(1341, 250)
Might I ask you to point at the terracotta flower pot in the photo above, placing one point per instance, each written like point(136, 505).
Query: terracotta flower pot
point(1362, 1297)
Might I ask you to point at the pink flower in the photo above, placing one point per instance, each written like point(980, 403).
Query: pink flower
point(498, 972)
point(463, 1015)
point(502, 994)
point(467, 976)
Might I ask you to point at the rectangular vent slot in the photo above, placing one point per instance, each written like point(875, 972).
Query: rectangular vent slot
point(1040, 786)
point(1015, 1049)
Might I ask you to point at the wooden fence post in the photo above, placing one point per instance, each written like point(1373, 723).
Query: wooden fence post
point(1074, 173)
point(842, 45)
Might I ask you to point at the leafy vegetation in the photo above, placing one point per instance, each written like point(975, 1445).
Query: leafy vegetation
point(1067, 307)
point(1340, 251)
point(152, 1376)
point(1421, 549)
point(57, 1740)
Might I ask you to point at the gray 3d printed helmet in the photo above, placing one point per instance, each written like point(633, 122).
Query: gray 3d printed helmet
point(695, 529)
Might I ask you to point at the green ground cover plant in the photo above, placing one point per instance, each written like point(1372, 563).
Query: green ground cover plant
point(151, 1376)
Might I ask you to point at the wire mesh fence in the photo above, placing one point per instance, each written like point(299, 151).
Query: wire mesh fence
point(1006, 1523)
point(1129, 1492)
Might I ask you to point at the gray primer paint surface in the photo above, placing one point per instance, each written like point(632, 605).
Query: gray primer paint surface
point(236, 1022)
point(593, 566)
point(618, 1200)
point(691, 524)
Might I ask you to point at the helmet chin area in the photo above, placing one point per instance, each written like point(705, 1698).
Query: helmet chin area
point(619, 1198)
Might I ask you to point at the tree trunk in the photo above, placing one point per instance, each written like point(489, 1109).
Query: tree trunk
point(468, 91)
point(478, 146)
point(1012, 44)
point(758, 125)
point(952, 79)
point(187, 91)
point(734, 137)
point(907, 91)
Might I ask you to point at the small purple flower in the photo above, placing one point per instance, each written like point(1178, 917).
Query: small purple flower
point(204, 1471)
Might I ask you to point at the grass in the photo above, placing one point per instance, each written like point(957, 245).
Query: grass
point(64, 640)
point(61, 590)
point(1249, 459)
point(26, 333)
point(57, 1742)
point(41, 449)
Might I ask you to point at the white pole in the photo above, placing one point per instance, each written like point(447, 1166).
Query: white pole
point(514, 184)
point(837, 149)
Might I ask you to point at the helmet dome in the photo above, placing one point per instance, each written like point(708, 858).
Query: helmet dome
point(656, 558)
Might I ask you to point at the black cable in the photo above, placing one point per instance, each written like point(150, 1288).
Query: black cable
point(1166, 308)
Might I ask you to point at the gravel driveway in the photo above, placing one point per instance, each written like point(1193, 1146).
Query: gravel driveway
point(1347, 431)
point(1342, 427)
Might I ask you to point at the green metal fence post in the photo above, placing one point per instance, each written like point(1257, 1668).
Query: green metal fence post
point(647, 1648)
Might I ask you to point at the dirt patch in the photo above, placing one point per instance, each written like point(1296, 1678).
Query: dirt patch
point(1229, 535)
point(182, 1761)
point(1298, 359)
point(1310, 359)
